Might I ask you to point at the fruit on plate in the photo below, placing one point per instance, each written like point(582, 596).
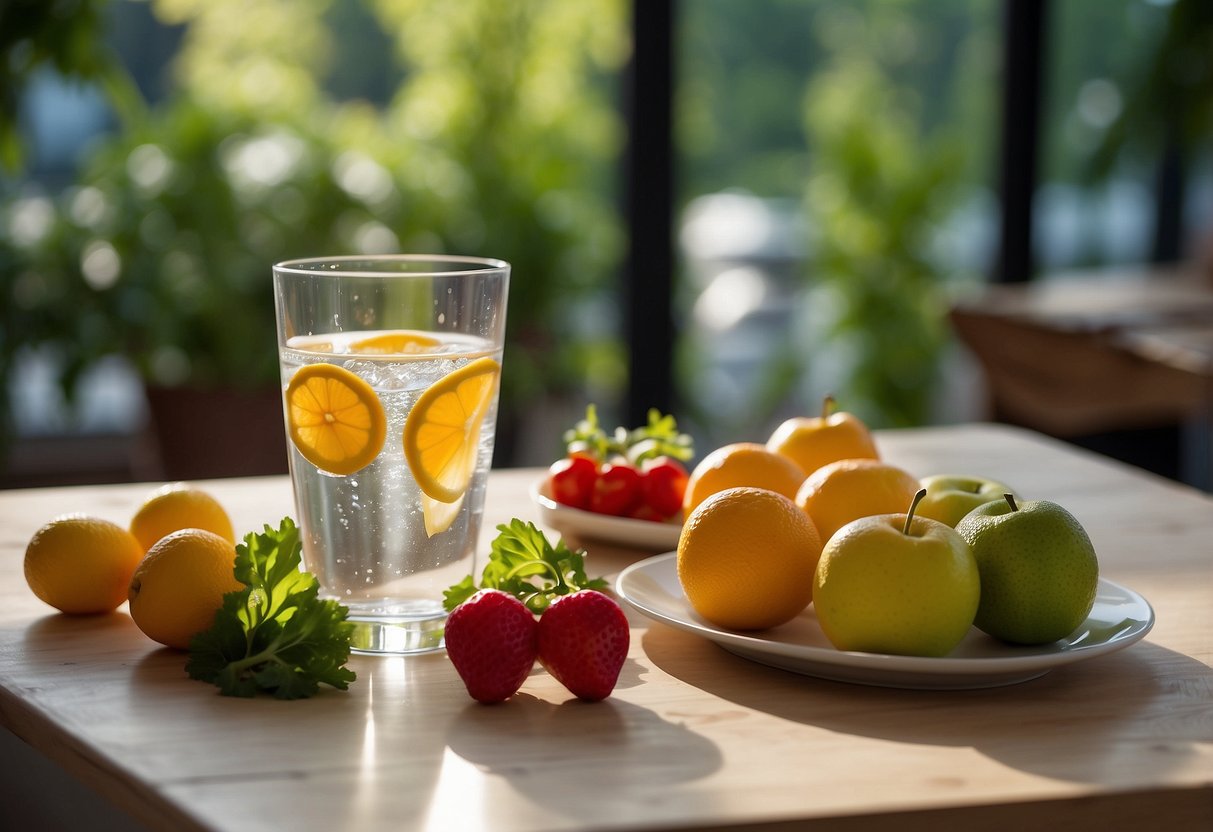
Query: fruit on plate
point(1039, 571)
point(896, 583)
point(627, 473)
point(81, 565)
point(583, 643)
point(814, 441)
point(492, 639)
point(951, 496)
point(848, 489)
point(179, 585)
point(746, 558)
point(739, 464)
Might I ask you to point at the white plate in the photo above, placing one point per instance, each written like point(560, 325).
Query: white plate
point(626, 531)
point(1119, 618)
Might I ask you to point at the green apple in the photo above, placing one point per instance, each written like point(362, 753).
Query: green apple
point(951, 496)
point(896, 583)
point(1038, 570)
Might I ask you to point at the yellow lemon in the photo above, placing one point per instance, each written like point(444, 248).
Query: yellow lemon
point(442, 432)
point(179, 585)
point(746, 558)
point(80, 564)
point(399, 342)
point(741, 464)
point(334, 418)
point(179, 506)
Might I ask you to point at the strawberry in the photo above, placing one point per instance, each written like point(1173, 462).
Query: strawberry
point(491, 639)
point(583, 640)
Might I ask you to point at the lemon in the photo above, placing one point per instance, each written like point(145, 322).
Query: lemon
point(80, 564)
point(442, 432)
point(334, 418)
point(746, 558)
point(399, 342)
point(179, 506)
point(179, 585)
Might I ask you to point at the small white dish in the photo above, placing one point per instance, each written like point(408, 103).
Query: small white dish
point(625, 531)
point(1119, 618)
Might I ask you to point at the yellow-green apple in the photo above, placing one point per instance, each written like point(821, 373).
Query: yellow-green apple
point(896, 583)
point(1038, 569)
point(814, 441)
point(951, 496)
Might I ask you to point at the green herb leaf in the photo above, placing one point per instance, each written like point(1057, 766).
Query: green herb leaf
point(524, 564)
point(274, 635)
point(660, 437)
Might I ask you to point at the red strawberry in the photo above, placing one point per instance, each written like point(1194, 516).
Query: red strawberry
point(583, 641)
point(492, 641)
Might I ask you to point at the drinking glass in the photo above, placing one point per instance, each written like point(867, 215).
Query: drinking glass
point(390, 371)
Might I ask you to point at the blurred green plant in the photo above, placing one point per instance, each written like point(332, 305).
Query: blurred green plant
point(878, 190)
point(65, 36)
point(500, 143)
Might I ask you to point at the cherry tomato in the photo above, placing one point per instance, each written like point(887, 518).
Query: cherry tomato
point(617, 490)
point(572, 481)
point(662, 485)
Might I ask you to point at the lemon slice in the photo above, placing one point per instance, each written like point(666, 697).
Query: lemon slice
point(442, 433)
point(334, 418)
point(438, 515)
point(402, 342)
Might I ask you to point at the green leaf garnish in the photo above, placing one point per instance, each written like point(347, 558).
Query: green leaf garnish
point(660, 437)
point(524, 564)
point(274, 635)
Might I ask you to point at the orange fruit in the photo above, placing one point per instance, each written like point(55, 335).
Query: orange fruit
point(81, 565)
point(812, 442)
point(442, 432)
point(179, 506)
point(741, 464)
point(180, 584)
point(334, 418)
point(399, 342)
point(848, 489)
point(746, 558)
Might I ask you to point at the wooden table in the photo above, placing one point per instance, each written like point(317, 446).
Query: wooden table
point(693, 737)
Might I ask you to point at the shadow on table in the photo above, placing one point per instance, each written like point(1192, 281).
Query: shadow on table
point(620, 745)
point(1146, 701)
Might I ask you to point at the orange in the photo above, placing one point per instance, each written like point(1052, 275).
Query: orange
point(442, 433)
point(746, 558)
point(848, 489)
point(80, 564)
point(180, 584)
point(812, 442)
point(399, 342)
point(738, 464)
point(334, 418)
point(179, 506)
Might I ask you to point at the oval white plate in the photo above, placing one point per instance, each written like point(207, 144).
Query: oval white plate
point(1119, 618)
point(626, 531)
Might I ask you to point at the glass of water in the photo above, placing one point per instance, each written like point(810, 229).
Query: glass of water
point(390, 369)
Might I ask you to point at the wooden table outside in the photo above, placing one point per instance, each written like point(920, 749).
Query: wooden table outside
point(692, 738)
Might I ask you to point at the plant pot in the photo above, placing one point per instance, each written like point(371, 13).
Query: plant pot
point(217, 432)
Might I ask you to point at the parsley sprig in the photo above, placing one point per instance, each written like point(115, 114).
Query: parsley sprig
point(523, 563)
point(660, 437)
point(274, 635)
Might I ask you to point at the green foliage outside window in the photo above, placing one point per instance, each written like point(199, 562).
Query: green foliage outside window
point(500, 141)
